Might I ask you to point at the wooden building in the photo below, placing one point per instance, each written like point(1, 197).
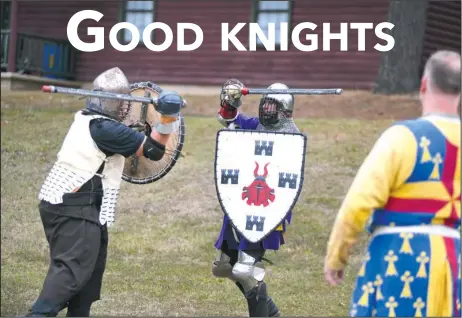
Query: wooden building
point(34, 41)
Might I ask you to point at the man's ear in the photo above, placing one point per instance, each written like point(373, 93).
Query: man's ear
point(424, 85)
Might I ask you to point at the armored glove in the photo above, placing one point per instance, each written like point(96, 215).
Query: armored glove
point(231, 93)
point(227, 114)
point(230, 101)
point(168, 105)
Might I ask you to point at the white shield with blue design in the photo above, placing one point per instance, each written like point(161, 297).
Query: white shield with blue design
point(258, 177)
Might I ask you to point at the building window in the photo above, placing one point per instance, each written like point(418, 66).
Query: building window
point(272, 12)
point(5, 14)
point(138, 13)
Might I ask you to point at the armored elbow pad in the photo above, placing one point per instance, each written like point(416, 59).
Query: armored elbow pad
point(152, 149)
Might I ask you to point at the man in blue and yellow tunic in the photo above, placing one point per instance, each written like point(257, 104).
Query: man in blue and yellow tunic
point(408, 191)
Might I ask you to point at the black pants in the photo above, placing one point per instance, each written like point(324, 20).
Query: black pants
point(78, 251)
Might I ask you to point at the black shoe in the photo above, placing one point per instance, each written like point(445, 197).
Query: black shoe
point(257, 301)
point(273, 310)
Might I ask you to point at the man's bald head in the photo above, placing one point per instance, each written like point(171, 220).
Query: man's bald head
point(443, 73)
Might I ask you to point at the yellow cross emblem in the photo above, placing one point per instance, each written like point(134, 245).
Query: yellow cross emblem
point(437, 160)
point(391, 305)
point(368, 289)
point(424, 143)
point(418, 305)
point(406, 247)
point(377, 283)
point(407, 279)
point(391, 258)
point(422, 259)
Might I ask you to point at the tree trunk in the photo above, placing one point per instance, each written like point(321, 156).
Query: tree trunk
point(399, 71)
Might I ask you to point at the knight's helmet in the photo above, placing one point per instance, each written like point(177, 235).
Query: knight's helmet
point(274, 107)
point(231, 93)
point(113, 81)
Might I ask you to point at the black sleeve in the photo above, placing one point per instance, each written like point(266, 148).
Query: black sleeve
point(153, 150)
point(115, 138)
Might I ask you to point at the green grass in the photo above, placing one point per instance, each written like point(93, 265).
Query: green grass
point(161, 247)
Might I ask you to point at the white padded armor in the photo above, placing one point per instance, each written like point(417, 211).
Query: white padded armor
point(78, 161)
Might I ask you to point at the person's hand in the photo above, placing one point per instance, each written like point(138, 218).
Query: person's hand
point(334, 277)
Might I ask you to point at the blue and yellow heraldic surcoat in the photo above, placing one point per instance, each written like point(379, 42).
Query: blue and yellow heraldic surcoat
point(407, 195)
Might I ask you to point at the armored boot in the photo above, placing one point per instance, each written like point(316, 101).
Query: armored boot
point(273, 310)
point(257, 301)
point(44, 309)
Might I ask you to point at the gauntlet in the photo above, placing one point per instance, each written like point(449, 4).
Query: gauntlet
point(230, 101)
point(168, 105)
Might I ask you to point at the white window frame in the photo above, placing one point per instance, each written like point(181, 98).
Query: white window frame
point(128, 7)
point(260, 14)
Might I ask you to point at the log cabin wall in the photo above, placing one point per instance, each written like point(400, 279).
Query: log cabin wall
point(208, 65)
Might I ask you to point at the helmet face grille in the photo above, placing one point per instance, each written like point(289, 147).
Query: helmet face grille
point(274, 107)
point(113, 81)
point(269, 110)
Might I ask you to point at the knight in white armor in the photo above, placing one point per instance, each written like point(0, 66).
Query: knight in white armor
point(238, 259)
point(79, 196)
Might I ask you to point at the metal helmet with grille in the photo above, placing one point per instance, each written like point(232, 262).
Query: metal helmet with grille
point(231, 93)
point(113, 81)
point(274, 107)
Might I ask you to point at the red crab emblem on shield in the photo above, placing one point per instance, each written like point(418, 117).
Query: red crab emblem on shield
point(258, 192)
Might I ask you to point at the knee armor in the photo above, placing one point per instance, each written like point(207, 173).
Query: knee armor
point(248, 271)
point(222, 267)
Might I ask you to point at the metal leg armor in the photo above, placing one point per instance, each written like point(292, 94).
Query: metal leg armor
point(249, 272)
point(222, 266)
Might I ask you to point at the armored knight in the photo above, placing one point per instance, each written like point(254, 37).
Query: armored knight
point(238, 259)
point(79, 196)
